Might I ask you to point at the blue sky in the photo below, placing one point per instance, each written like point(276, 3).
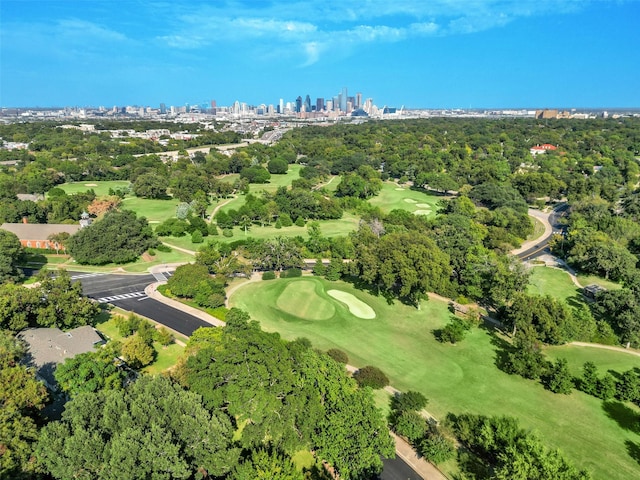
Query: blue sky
point(417, 53)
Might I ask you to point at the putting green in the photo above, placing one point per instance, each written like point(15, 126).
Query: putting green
point(356, 307)
point(410, 200)
point(300, 299)
point(422, 212)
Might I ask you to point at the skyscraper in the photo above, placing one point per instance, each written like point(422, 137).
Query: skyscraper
point(307, 104)
point(343, 99)
point(358, 103)
point(298, 104)
point(319, 104)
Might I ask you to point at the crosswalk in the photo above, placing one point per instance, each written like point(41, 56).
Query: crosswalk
point(86, 275)
point(123, 296)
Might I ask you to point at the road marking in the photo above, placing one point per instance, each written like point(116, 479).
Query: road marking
point(123, 296)
point(87, 275)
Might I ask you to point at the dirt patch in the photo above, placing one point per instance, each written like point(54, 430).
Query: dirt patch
point(147, 258)
point(90, 184)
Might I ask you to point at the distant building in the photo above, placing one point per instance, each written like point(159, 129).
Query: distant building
point(592, 291)
point(36, 235)
point(544, 148)
point(49, 347)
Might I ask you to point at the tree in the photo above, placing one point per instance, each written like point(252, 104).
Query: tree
point(409, 424)
point(21, 398)
point(558, 379)
point(153, 429)
point(59, 240)
point(454, 331)
point(405, 401)
point(606, 387)
point(371, 376)
point(267, 464)
point(102, 205)
point(589, 380)
point(185, 279)
point(628, 387)
point(11, 253)
point(255, 174)
point(150, 185)
point(277, 166)
point(89, 372)
point(137, 351)
point(338, 355)
point(120, 237)
point(63, 306)
point(437, 448)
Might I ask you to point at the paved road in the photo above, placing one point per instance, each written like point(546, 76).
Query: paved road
point(557, 226)
point(397, 469)
point(127, 292)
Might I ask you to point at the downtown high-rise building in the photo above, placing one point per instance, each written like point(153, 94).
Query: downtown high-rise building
point(343, 99)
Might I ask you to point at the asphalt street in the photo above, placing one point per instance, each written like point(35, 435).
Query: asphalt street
point(127, 292)
point(557, 225)
point(397, 469)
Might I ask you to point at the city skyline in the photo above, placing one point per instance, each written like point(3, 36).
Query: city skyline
point(440, 54)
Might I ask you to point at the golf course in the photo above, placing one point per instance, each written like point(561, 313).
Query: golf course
point(458, 378)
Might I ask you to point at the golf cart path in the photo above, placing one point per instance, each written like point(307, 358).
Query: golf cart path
point(548, 230)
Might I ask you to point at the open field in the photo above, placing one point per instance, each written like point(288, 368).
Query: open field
point(603, 282)
point(153, 209)
point(538, 229)
point(461, 378)
point(392, 197)
point(554, 282)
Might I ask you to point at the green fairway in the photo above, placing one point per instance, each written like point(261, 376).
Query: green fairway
point(392, 197)
point(154, 210)
point(603, 282)
point(460, 378)
point(101, 188)
point(553, 282)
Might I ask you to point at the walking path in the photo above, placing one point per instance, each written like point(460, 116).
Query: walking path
point(180, 249)
point(606, 347)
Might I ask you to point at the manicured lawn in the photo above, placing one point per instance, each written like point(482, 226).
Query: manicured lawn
point(167, 356)
point(554, 282)
point(461, 378)
point(101, 188)
point(392, 197)
point(154, 210)
point(538, 229)
point(606, 360)
point(603, 282)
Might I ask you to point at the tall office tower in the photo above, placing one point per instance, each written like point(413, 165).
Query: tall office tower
point(214, 107)
point(281, 106)
point(336, 103)
point(163, 108)
point(358, 103)
point(236, 107)
point(298, 104)
point(319, 104)
point(343, 99)
point(307, 103)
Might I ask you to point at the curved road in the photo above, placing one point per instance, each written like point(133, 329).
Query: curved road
point(553, 225)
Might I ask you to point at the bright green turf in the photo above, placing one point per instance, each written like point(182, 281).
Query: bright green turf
point(461, 378)
point(593, 279)
point(154, 210)
point(605, 359)
point(101, 188)
point(302, 300)
point(390, 198)
point(554, 282)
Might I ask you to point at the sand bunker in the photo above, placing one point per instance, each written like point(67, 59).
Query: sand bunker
point(153, 221)
point(90, 184)
point(410, 200)
point(300, 299)
point(423, 205)
point(422, 212)
point(399, 189)
point(356, 306)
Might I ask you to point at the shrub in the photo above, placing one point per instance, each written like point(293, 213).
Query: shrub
point(437, 448)
point(278, 224)
point(285, 220)
point(269, 275)
point(454, 331)
point(196, 237)
point(213, 229)
point(227, 232)
point(299, 222)
point(291, 273)
point(163, 248)
point(338, 355)
point(405, 401)
point(371, 376)
point(163, 336)
point(151, 252)
point(410, 425)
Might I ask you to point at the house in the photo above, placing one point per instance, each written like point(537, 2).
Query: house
point(48, 347)
point(544, 148)
point(36, 235)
